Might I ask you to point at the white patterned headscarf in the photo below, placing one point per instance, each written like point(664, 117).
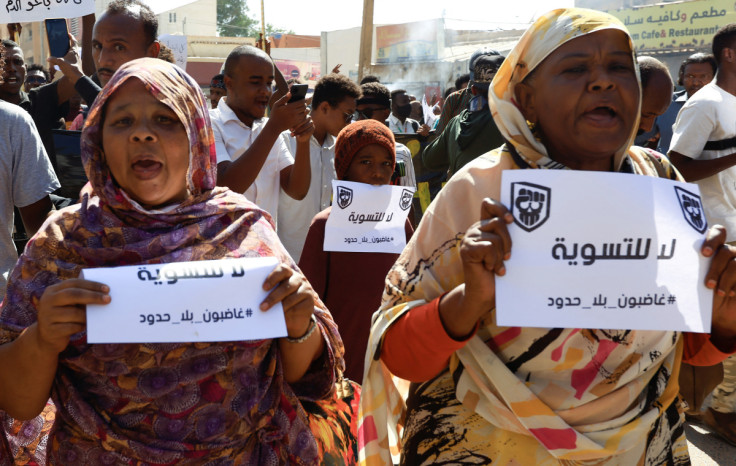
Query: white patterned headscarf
point(547, 34)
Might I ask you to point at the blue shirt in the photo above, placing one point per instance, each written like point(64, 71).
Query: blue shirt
point(666, 121)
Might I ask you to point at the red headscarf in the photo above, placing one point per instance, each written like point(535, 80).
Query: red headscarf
point(356, 136)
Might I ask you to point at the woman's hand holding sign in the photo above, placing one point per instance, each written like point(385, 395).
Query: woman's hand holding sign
point(303, 345)
point(484, 249)
point(61, 311)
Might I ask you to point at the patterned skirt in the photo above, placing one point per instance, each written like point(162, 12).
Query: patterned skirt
point(334, 423)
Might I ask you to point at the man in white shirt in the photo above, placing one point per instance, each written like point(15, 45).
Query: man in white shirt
point(399, 121)
point(703, 144)
point(703, 148)
point(333, 105)
point(696, 71)
point(251, 158)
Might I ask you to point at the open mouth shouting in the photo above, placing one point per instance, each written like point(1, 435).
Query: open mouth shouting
point(603, 116)
point(146, 167)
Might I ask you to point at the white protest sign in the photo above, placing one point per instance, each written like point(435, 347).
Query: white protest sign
point(185, 302)
point(604, 251)
point(26, 11)
point(178, 45)
point(366, 218)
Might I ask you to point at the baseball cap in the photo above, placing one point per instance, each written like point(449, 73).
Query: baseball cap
point(484, 63)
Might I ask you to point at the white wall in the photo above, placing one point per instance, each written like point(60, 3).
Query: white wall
point(340, 47)
point(195, 19)
point(307, 54)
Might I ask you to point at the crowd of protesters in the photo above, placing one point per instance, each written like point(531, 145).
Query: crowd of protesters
point(389, 358)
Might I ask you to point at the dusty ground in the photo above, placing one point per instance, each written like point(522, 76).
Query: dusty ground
point(708, 449)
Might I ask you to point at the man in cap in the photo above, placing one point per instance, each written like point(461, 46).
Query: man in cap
point(472, 132)
point(459, 100)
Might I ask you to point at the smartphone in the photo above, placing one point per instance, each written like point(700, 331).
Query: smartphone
point(298, 92)
point(58, 36)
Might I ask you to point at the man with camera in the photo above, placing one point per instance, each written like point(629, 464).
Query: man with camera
point(333, 105)
point(472, 132)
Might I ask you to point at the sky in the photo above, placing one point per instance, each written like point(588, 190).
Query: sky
point(314, 16)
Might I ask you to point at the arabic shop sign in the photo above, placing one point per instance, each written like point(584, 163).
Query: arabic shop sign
point(676, 26)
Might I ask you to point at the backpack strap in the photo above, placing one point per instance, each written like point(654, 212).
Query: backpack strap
point(723, 144)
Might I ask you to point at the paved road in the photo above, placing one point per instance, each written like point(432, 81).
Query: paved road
point(707, 449)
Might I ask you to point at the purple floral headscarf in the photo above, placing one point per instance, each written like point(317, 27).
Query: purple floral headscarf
point(176, 402)
point(177, 90)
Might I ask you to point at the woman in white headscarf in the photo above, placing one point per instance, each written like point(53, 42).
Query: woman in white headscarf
point(445, 384)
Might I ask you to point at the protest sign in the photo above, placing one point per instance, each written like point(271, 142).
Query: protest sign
point(366, 218)
point(179, 46)
point(26, 11)
point(603, 250)
point(185, 302)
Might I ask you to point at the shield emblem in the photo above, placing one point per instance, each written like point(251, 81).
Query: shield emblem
point(692, 209)
point(530, 205)
point(344, 196)
point(406, 198)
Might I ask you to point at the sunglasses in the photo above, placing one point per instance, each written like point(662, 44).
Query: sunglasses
point(365, 114)
point(348, 116)
point(35, 80)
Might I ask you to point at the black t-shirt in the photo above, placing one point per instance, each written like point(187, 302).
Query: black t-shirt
point(42, 104)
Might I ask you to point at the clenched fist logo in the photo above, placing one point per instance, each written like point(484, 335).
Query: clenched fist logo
point(530, 204)
point(692, 209)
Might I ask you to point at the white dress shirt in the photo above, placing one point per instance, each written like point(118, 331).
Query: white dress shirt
point(295, 217)
point(233, 138)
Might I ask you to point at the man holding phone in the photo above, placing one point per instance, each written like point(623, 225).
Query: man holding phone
point(333, 105)
point(251, 158)
point(58, 35)
point(127, 30)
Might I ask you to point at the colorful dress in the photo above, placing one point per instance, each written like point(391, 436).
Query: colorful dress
point(180, 403)
point(511, 395)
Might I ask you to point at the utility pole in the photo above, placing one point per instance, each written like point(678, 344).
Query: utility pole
point(366, 39)
point(263, 25)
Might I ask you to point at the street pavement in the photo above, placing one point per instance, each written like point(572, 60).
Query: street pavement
point(707, 449)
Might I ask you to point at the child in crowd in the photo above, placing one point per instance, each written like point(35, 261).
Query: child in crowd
point(351, 283)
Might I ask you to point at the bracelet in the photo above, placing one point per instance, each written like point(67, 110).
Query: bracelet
point(309, 332)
